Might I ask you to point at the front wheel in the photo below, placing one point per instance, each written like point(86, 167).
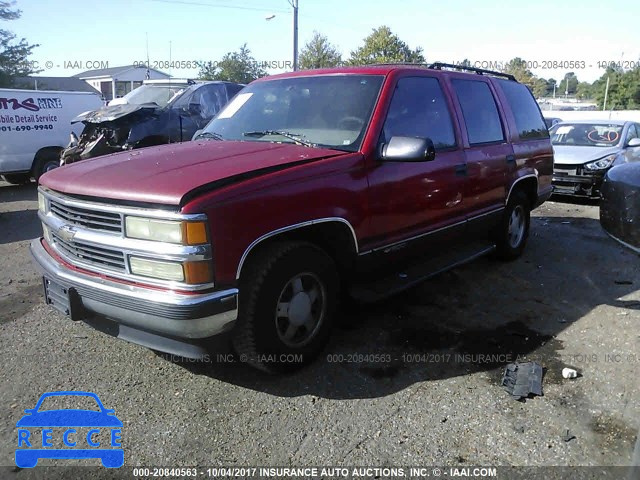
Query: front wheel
point(288, 299)
point(512, 234)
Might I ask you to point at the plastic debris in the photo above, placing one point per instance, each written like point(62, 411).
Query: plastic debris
point(569, 373)
point(523, 379)
point(567, 437)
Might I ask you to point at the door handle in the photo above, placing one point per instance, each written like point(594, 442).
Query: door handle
point(461, 169)
point(511, 158)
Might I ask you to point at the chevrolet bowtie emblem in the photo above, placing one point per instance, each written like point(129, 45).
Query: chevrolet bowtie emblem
point(66, 233)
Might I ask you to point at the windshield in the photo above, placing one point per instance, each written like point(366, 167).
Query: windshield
point(328, 111)
point(160, 95)
point(586, 134)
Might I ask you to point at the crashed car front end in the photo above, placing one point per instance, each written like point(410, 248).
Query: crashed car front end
point(109, 131)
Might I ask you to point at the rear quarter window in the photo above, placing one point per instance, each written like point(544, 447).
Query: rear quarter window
point(479, 110)
point(529, 121)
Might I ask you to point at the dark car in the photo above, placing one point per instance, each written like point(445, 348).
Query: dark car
point(620, 205)
point(152, 114)
point(584, 150)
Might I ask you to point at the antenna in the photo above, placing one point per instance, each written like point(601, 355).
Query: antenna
point(148, 74)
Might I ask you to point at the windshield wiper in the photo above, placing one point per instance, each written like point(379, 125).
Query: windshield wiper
point(214, 135)
point(291, 136)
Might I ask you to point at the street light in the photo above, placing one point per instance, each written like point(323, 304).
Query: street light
point(294, 4)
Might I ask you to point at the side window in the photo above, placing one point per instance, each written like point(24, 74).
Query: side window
point(632, 133)
point(419, 109)
point(529, 121)
point(479, 111)
point(208, 100)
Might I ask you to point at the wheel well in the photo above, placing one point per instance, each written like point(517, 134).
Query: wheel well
point(334, 238)
point(529, 186)
point(44, 152)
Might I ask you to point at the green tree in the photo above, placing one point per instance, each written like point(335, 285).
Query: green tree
point(13, 55)
point(238, 67)
point(383, 46)
point(584, 91)
point(319, 53)
point(518, 68)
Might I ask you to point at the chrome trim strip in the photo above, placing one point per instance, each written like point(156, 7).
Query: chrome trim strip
point(520, 179)
point(52, 267)
point(294, 227)
point(160, 250)
point(108, 207)
point(416, 237)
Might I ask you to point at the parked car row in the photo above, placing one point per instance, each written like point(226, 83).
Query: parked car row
point(35, 125)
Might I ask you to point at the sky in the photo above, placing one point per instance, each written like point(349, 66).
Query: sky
point(76, 35)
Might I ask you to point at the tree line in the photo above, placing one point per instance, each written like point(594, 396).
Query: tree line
point(380, 46)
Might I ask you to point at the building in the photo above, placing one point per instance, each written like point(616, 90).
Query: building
point(116, 82)
point(63, 84)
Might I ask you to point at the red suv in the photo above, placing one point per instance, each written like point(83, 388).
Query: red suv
point(306, 188)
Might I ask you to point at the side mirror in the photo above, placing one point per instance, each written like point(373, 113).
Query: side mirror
point(634, 142)
point(195, 135)
point(408, 149)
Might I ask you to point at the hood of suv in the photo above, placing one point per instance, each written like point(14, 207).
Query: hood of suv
point(572, 155)
point(165, 173)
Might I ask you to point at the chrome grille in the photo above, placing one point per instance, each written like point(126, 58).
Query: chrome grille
point(87, 254)
point(91, 219)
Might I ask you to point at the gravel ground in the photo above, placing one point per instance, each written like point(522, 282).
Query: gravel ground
point(571, 300)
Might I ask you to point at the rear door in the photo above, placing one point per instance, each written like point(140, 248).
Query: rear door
point(488, 153)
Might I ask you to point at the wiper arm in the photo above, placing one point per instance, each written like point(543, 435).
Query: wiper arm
point(291, 136)
point(214, 135)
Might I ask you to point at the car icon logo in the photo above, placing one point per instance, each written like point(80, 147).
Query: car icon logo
point(69, 433)
point(66, 232)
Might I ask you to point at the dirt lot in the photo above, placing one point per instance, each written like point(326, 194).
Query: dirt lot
point(573, 299)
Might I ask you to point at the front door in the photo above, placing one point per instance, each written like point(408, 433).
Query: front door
point(414, 200)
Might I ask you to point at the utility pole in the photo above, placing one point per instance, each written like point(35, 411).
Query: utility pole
point(606, 92)
point(294, 4)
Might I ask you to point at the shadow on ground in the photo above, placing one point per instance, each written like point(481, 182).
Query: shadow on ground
point(476, 318)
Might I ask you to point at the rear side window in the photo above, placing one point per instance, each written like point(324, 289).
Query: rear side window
point(529, 121)
point(419, 109)
point(479, 111)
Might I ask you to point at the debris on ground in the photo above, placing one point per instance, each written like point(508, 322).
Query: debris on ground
point(569, 373)
point(523, 379)
point(567, 437)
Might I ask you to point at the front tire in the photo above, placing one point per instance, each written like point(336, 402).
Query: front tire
point(513, 232)
point(288, 300)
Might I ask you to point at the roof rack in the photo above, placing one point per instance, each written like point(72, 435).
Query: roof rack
point(479, 71)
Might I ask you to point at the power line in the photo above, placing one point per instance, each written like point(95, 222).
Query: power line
point(221, 5)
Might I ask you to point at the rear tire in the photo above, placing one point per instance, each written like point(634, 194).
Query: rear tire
point(46, 160)
point(17, 178)
point(513, 231)
point(289, 294)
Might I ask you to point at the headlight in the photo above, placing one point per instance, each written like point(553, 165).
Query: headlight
point(171, 231)
point(157, 269)
point(42, 204)
point(189, 272)
point(601, 164)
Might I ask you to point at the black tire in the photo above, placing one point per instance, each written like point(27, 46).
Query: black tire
point(269, 282)
point(513, 232)
point(45, 160)
point(17, 178)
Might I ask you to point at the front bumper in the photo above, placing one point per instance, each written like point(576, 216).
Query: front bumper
point(159, 319)
point(578, 185)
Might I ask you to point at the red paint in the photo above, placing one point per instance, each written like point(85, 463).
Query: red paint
point(384, 202)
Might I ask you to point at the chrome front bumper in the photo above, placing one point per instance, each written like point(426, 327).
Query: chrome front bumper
point(144, 314)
